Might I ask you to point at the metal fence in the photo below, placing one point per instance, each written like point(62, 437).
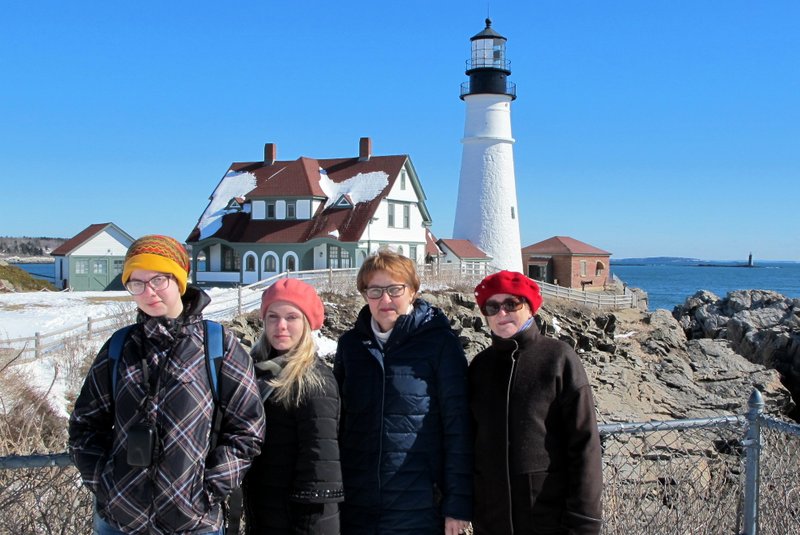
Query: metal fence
point(724, 475)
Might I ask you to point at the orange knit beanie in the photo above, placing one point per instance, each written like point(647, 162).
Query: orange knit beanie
point(158, 253)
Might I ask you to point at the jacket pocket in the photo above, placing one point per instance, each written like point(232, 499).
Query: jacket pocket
point(539, 501)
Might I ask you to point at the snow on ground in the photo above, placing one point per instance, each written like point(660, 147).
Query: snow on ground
point(24, 314)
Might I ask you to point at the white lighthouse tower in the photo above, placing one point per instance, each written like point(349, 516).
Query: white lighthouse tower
point(487, 213)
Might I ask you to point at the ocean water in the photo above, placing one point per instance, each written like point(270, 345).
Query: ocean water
point(46, 271)
point(668, 285)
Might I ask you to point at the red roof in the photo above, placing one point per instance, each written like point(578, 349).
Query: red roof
point(464, 249)
point(300, 178)
point(563, 245)
point(431, 249)
point(79, 239)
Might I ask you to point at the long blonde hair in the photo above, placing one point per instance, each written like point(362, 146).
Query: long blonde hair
point(299, 376)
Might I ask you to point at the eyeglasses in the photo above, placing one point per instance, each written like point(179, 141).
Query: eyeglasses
point(490, 308)
point(159, 282)
point(376, 292)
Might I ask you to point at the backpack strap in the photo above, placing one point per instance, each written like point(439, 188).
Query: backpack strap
point(213, 342)
point(115, 352)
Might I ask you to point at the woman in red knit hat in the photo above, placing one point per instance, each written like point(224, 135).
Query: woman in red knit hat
point(537, 447)
point(295, 485)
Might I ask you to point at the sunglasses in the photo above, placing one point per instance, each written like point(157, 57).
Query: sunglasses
point(490, 308)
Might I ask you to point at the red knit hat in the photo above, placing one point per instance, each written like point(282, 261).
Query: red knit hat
point(158, 253)
point(512, 283)
point(299, 294)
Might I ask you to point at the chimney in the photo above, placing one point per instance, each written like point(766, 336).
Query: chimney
point(270, 153)
point(364, 149)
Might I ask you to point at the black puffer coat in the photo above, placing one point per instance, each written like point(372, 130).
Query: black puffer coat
point(537, 447)
point(295, 485)
point(406, 438)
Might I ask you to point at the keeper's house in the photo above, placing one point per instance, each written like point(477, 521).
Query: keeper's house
point(272, 216)
point(92, 259)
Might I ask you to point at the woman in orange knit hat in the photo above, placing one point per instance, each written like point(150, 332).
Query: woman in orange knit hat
point(142, 439)
point(295, 485)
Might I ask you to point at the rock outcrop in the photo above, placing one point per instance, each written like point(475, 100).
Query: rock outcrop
point(761, 326)
point(642, 365)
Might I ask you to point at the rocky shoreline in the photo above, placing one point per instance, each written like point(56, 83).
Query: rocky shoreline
point(642, 365)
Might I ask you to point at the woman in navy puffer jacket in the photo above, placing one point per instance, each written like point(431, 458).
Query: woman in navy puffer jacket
point(405, 439)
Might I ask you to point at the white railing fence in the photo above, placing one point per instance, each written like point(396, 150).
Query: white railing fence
point(242, 299)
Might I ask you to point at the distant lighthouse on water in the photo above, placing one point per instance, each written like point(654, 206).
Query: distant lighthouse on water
point(486, 211)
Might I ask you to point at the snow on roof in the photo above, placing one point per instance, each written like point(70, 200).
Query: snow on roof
point(233, 184)
point(363, 187)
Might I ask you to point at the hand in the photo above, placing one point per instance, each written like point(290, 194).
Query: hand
point(455, 527)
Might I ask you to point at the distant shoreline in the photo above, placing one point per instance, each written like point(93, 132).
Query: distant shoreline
point(27, 259)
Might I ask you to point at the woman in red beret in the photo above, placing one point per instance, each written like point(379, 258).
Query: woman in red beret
point(295, 485)
point(537, 447)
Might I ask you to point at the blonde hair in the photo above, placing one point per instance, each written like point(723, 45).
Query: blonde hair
point(393, 263)
point(299, 376)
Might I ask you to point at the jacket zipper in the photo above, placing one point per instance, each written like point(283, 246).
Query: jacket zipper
point(508, 444)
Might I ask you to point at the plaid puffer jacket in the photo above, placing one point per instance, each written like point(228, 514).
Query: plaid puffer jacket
point(181, 492)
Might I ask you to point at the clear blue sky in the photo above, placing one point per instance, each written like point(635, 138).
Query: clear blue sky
point(645, 128)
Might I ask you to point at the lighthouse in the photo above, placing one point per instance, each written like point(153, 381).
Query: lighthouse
point(486, 210)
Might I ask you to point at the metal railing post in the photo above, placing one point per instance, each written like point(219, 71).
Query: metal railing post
point(752, 448)
point(239, 300)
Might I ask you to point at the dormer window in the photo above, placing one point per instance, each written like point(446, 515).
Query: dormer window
point(344, 201)
point(290, 210)
point(270, 210)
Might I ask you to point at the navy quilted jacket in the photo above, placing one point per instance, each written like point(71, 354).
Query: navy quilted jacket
point(405, 440)
point(182, 490)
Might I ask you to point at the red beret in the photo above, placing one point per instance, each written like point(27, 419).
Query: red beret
point(512, 283)
point(299, 294)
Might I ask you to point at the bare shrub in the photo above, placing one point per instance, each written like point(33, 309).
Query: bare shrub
point(36, 500)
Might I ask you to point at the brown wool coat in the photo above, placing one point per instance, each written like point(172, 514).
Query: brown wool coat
point(531, 392)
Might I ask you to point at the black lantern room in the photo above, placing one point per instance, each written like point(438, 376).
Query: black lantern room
point(488, 68)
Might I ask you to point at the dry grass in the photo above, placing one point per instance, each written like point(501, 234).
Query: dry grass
point(38, 500)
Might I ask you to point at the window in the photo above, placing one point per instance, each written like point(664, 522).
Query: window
point(403, 179)
point(118, 266)
point(250, 263)
point(202, 263)
point(406, 216)
point(271, 210)
point(230, 260)
point(291, 264)
point(290, 210)
point(81, 267)
point(599, 268)
point(412, 252)
point(583, 268)
point(270, 265)
point(513, 213)
point(338, 257)
point(391, 215)
point(99, 267)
